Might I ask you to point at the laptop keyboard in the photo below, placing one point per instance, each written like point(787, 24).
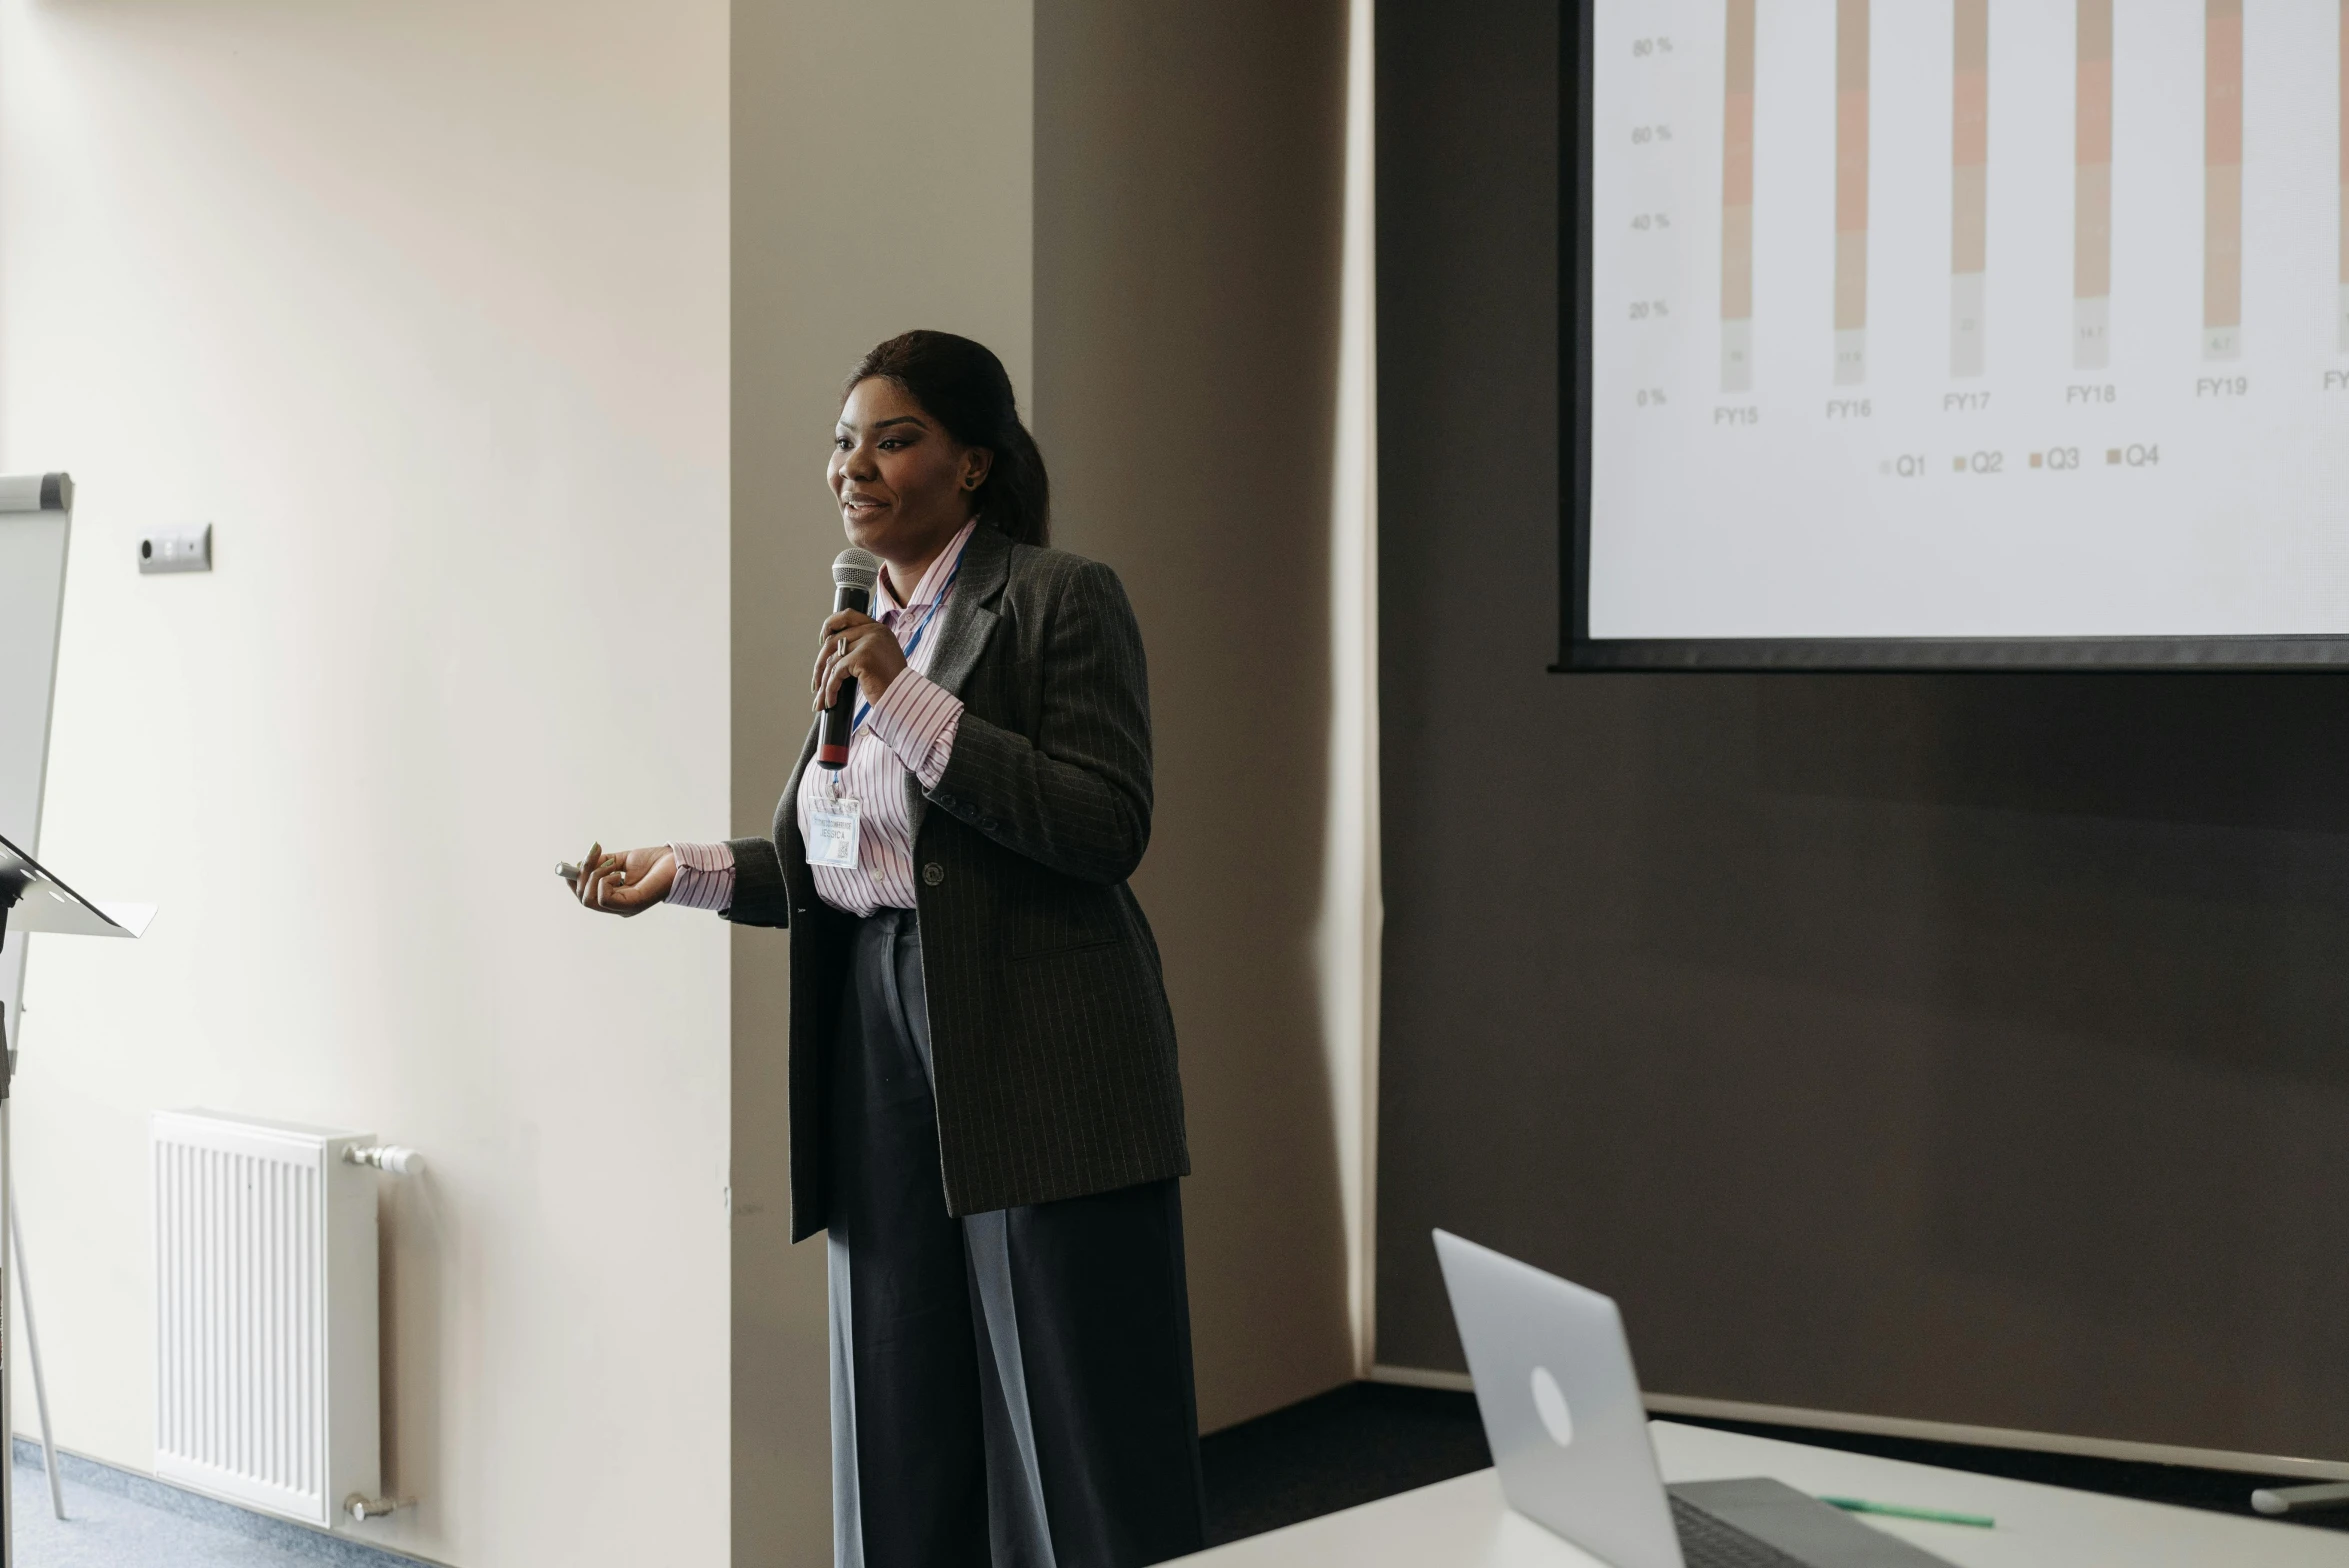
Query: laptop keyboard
point(1705, 1542)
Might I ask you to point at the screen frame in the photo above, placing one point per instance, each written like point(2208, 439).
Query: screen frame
point(1580, 653)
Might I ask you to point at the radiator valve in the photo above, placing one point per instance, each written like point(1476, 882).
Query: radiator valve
point(361, 1509)
point(387, 1157)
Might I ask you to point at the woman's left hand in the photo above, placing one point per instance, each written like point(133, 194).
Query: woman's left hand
point(856, 647)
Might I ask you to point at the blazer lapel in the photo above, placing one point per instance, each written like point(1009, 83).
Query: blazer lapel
point(963, 629)
point(969, 617)
point(788, 848)
point(807, 754)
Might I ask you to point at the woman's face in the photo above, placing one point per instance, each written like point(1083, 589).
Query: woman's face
point(904, 485)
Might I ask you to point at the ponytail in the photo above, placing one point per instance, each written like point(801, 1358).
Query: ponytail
point(963, 386)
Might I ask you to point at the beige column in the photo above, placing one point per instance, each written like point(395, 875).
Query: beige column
point(1851, 191)
point(819, 275)
point(2222, 174)
point(1970, 191)
point(1737, 204)
point(2092, 191)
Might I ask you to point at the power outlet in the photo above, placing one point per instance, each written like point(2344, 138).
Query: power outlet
point(187, 551)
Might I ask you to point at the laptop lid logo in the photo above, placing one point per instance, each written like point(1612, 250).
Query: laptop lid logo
point(1549, 1402)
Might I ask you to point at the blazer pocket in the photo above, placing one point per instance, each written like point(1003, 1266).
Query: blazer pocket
point(1062, 951)
point(1064, 919)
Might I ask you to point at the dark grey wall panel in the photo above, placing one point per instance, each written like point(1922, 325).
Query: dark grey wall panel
point(1968, 1048)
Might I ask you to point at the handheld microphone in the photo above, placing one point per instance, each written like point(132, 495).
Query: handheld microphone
point(853, 572)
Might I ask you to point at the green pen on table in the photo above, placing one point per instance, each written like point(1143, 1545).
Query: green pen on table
point(1860, 1505)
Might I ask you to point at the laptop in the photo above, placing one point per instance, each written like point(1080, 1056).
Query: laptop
point(1569, 1435)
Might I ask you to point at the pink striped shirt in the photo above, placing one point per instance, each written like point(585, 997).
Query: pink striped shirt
point(910, 729)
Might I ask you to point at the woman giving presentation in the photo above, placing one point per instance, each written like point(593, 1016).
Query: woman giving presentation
point(986, 1116)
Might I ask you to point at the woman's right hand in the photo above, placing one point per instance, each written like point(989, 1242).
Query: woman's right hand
point(628, 882)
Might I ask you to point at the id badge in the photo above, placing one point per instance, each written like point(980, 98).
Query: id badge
point(832, 826)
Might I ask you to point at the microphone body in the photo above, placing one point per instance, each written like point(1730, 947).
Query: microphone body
point(853, 575)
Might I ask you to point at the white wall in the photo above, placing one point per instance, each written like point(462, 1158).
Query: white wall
point(425, 307)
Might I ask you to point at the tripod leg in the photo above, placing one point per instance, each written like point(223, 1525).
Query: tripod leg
point(7, 1334)
point(32, 1348)
point(7, 1348)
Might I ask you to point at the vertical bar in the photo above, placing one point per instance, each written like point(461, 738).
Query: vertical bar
point(240, 1366)
point(1970, 190)
point(2092, 192)
point(1851, 192)
point(1737, 204)
point(2345, 176)
point(183, 1276)
point(2222, 176)
point(314, 1203)
point(166, 1365)
point(314, 1270)
point(215, 1244)
point(273, 1335)
point(313, 1391)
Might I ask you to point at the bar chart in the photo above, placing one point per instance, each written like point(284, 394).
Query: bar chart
point(1961, 300)
point(2099, 73)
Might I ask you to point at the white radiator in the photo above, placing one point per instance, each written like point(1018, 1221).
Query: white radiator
point(267, 1383)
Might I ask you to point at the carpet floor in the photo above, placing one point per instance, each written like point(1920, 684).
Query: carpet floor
point(106, 1531)
point(117, 1519)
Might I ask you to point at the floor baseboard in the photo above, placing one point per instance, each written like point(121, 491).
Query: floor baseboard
point(1423, 1377)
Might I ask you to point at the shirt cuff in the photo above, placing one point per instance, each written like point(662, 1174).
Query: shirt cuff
point(705, 876)
point(916, 718)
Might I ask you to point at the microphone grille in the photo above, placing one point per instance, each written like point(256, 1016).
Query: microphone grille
point(854, 568)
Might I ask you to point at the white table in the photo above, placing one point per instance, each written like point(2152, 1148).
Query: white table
point(1463, 1523)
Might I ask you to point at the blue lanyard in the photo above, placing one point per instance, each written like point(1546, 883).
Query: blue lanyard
point(928, 616)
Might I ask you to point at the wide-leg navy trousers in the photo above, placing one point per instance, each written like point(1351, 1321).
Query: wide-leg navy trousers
point(1011, 1389)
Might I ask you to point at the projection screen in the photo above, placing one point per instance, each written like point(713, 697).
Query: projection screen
point(1950, 333)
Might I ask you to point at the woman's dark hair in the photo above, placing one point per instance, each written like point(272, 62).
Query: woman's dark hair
point(964, 387)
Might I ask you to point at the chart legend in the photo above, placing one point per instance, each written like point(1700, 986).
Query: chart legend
point(2092, 191)
point(1970, 191)
point(1851, 191)
point(2222, 200)
point(1737, 203)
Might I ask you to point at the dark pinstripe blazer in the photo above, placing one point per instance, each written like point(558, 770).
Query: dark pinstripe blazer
point(1052, 1047)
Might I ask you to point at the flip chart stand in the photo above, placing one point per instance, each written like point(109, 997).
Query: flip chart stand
point(35, 900)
